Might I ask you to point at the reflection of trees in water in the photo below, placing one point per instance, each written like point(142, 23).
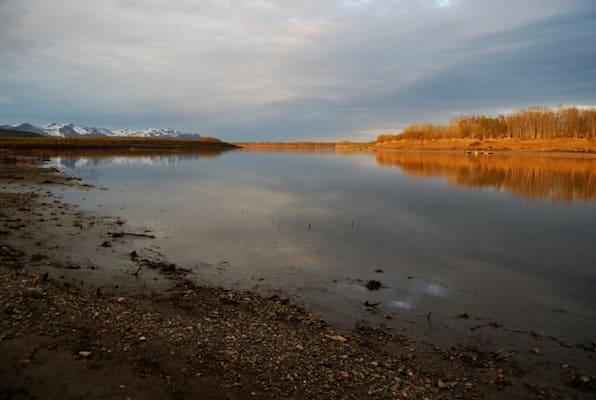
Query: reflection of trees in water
point(531, 177)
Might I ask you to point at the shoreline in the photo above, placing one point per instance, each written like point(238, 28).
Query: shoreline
point(201, 340)
point(583, 147)
point(566, 147)
point(113, 143)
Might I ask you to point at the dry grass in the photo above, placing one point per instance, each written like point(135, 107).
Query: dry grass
point(552, 145)
point(113, 143)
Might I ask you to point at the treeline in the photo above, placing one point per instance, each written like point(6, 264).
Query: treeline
point(529, 124)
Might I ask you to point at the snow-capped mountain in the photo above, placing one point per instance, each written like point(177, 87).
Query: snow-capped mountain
point(72, 130)
point(69, 130)
point(153, 132)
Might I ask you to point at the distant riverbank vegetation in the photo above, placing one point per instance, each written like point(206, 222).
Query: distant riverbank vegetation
point(286, 145)
point(528, 124)
point(27, 143)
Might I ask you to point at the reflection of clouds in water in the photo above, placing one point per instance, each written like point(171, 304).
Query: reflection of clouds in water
point(254, 211)
point(267, 215)
point(405, 304)
point(433, 289)
point(81, 162)
point(419, 289)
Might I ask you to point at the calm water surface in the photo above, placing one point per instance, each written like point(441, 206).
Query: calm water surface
point(501, 238)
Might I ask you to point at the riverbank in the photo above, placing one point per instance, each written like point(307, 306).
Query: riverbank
point(113, 143)
point(566, 145)
point(91, 309)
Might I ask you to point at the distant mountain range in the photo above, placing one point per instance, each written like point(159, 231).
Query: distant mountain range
point(74, 130)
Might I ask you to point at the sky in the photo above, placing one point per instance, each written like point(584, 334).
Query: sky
point(287, 69)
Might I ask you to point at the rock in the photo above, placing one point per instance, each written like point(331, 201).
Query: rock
point(536, 350)
point(463, 316)
point(373, 285)
point(441, 384)
point(236, 385)
point(584, 379)
point(142, 339)
point(337, 338)
point(121, 300)
point(85, 354)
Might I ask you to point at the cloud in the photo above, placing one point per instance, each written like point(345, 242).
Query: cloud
point(281, 69)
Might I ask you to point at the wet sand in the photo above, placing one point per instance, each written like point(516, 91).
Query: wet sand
point(89, 309)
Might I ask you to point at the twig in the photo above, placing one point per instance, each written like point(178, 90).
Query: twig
point(153, 251)
point(122, 234)
point(428, 318)
point(371, 305)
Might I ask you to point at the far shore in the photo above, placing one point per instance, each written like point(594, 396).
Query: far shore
point(99, 143)
point(566, 145)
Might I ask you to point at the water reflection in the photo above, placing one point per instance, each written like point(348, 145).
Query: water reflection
point(90, 160)
point(558, 178)
point(318, 224)
point(131, 153)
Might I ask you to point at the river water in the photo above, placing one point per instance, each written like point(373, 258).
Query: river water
point(507, 240)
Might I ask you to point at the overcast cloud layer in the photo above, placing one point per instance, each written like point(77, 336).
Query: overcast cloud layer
point(286, 69)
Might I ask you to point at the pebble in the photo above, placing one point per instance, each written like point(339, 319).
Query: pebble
point(85, 354)
point(337, 338)
point(584, 379)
